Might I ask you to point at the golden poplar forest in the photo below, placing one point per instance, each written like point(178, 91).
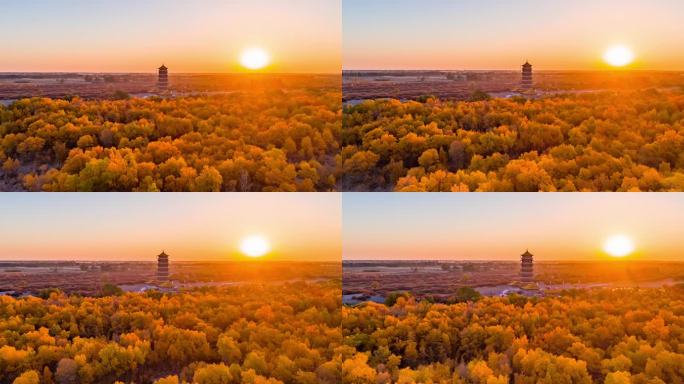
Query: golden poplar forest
point(270, 140)
point(248, 334)
point(606, 336)
point(294, 141)
point(608, 141)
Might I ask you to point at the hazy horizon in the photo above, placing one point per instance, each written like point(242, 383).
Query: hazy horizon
point(172, 260)
point(516, 70)
point(154, 73)
point(625, 260)
point(242, 73)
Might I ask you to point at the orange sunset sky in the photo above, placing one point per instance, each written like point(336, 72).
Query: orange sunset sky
point(188, 226)
point(500, 226)
point(301, 36)
point(502, 34)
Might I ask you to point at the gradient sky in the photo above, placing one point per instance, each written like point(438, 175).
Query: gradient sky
point(188, 226)
point(500, 226)
point(188, 36)
point(502, 34)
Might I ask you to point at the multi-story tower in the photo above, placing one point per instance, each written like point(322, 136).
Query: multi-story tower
point(163, 81)
point(163, 267)
point(527, 267)
point(526, 82)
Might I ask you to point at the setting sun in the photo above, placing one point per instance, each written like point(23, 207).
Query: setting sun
point(618, 246)
point(255, 246)
point(618, 56)
point(255, 58)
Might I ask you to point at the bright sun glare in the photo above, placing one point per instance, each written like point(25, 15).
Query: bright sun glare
point(255, 246)
point(618, 55)
point(254, 58)
point(618, 246)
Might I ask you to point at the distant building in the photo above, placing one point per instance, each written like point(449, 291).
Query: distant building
point(526, 82)
point(163, 82)
point(163, 267)
point(527, 267)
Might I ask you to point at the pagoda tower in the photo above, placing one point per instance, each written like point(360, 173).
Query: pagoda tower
point(163, 81)
point(526, 82)
point(527, 267)
point(163, 267)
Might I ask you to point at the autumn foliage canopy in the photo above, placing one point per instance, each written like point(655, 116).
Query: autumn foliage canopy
point(269, 140)
point(609, 141)
point(602, 336)
point(248, 334)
